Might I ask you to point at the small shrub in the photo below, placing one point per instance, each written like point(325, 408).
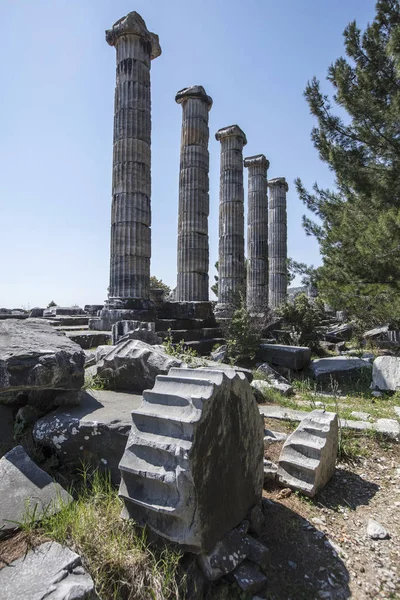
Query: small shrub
point(180, 350)
point(303, 319)
point(242, 336)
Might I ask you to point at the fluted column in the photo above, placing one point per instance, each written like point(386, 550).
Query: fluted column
point(257, 234)
point(277, 241)
point(131, 185)
point(194, 204)
point(231, 218)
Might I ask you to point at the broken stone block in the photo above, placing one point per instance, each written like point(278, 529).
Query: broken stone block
point(26, 489)
point(248, 578)
point(291, 357)
point(35, 357)
point(273, 437)
point(386, 373)
point(47, 571)
point(133, 366)
point(339, 368)
point(193, 466)
point(135, 330)
point(308, 456)
point(376, 531)
point(96, 431)
point(263, 387)
point(225, 557)
point(389, 428)
point(256, 519)
point(270, 471)
point(360, 416)
point(257, 552)
point(275, 380)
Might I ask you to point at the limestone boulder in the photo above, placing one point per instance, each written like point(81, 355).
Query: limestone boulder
point(308, 457)
point(133, 366)
point(47, 571)
point(26, 489)
point(386, 373)
point(193, 464)
point(96, 431)
point(35, 358)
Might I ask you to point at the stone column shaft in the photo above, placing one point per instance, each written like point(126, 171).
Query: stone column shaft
point(277, 241)
point(131, 184)
point(257, 234)
point(231, 218)
point(194, 205)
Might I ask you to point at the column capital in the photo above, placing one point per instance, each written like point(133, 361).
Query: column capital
point(256, 161)
point(278, 181)
point(194, 91)
point(133, 24)
point(231, 131)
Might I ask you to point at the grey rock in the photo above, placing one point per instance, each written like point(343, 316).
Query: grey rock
point(386, 373)
point(292, 357)
point(47, 571)
point(376, 394)
point(35, 357)
point(196, 437)
point(220, 354)
point(338, 367)
point(90, 358)
point(102, 351)
point(6, 428)
point(341, 332)
point(277, 242)
point(133, 366)
point(135, 330)
point(249, 579)
point(36, 312)
point(256, 519)
point(257, 552)
point(397, 411)
point(376, 531)
point(377, 332)
point(264, 386)
point(362, 416)
point(308, 456)
point(389, 428)
point(24, 488)
point(273, 437)
point(225, 556)
point(276, 379)
point(96, 431)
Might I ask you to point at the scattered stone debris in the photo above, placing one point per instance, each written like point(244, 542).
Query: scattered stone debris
point(272, 437)
point(270, 470)
point(135, 330)
point(274, 381)
point(26, 490)
point(47, 571)
point(308, 456)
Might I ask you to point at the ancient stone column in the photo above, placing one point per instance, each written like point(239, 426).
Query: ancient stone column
point(231, 219)
point(257, 234)
point(277, 241)
point(131, 185)
point(194, 205)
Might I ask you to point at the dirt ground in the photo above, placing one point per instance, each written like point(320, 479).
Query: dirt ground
point(320, 548)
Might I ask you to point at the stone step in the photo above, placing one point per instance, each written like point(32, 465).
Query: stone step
point(155, 495)
point(295, 483)
point(179, 324)
point(205, 346)
point(190, 335)
point(67, 320)
point(195, 387)
point(71, 328)
point(147, 422)
point(90, 339)
point(141, 438)
point(185, 310)
point(152, 464)
point(156, 409)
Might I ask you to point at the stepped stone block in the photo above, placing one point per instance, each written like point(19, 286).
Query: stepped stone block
point(193, 464)
point(308, 457)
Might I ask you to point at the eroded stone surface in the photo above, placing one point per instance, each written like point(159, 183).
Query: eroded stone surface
point(225, 556)
point(277, 241)
point(308, 456)
point(197, 437)
point(47, 571)
point(96, 431)
point(386, 373)
point(25, 488)
point(338, 367)
point(292, 357)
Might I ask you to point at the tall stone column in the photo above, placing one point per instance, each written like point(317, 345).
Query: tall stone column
point(194, 204)
point(131, 184)
point(257, 234)
point(231, 219)
point(277, 241)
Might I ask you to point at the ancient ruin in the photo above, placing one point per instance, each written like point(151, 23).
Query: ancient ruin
point(277, 241)
point(194, 203)
point(231, 219)
point(257, 234)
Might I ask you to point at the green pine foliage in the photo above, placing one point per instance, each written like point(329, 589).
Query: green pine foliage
point(302, 319)
point(358, 224)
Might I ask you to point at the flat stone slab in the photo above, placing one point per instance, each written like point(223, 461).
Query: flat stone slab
point(89, 339)
point(33, 356)
point(386, 373)
point(25, 488)
point(95, 431)
point(47, 571)
point(291, 357)
point(337, 367)
point(249, 579)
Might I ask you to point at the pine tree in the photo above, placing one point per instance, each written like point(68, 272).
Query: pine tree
point(358, 226)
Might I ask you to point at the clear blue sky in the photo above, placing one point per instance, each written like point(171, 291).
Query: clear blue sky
point(56, 116)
